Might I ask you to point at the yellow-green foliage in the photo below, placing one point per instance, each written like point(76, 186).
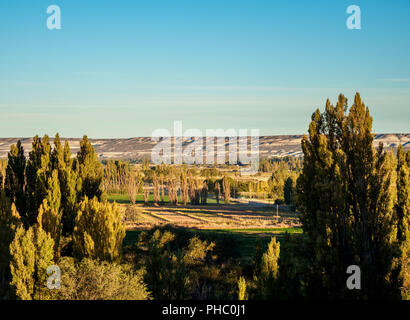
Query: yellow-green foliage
point(31, 253)
point(269, 266)
point(9, 221)
point(49, 220)
point(175, 274)
point(68, 183)
point(38, 172)
point(161, 239)
point(346, 194)
point(99, 231)
point(116, 174)
point(3, 165)
point(242, 294)
point(226, 186)
point(91, 171)
point(15, 180)
point(403, 216)
point(22, 266)
point(94, 280)
point(266, 280)
point(50, 212)
point(197, 251)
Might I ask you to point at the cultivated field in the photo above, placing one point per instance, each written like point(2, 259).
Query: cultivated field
point(237, 215)
point(243, 222)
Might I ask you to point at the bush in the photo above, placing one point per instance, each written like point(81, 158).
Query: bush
point(93, 280)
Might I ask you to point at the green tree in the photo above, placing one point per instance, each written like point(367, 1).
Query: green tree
point(294, 266)
point(68, 183)
point(31, 254)
point(288, 191)
point(167, 274)
point(22, 263)
point(217, 192)
point(38, 172)
point(226, 186)
point(70, 186)
point(277, 182)
point(9, 221)
point(49, 219)
point(132, 187)
point(3, 166)
point(242, 294)
point(99, 232)
point(269, 269)
point(402, 208)
point(346, 194)
point(90, 170)
point(99, 280)
point(403, 196)
point(14, 182)
point(175, 274)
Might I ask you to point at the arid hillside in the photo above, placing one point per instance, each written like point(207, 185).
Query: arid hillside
point(139, 148)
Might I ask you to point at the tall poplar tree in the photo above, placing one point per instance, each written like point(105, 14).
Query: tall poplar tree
point(226, 186)
point(99, 232)
point(68, 183)
point(3, 166)
point(31, 254)
point(9, 221)
point(268, 271)
point(50, 212)
point(38, 171)
point(403, 216)
point(90, 171)
point(14, 182)
point(346, 194)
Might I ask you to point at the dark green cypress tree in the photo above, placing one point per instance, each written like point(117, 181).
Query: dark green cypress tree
point(62, 162)
point(288, 191)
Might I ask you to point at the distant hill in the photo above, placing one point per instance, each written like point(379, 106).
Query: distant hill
point(139, 148)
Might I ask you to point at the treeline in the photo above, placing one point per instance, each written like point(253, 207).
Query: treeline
point(116, 175)
point(271, 165)
point(124, 178)
point(180, 184)
point(183, 184)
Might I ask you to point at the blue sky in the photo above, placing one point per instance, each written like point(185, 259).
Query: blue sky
point(125, 68)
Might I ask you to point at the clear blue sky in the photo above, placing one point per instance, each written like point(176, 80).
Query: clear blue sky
point(124, 68)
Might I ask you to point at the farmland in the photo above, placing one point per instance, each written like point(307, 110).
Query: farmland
point(237, 215)
point(241, 222)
